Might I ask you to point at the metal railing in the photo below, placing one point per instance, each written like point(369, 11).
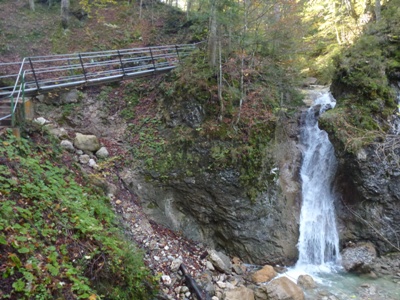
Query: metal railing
point(41, 74)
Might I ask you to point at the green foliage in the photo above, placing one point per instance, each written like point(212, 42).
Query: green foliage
point(58, 235)
point(362, 83)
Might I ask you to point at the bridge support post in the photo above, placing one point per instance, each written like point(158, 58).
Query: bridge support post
point(29, 110)
point(16, 132)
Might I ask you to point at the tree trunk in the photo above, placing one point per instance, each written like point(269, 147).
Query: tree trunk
point(221, 100)
point(377, 10)
point(64, 13)
point(213, 39)
point(32, 4)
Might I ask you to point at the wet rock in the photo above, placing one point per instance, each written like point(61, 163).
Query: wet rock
point(264, 275)
point(280, 289)
point(306, 282)
point(240, 293)
point(359, 258)
point(86, 142)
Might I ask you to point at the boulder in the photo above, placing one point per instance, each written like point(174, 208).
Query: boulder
point(57, 131)
point(72, 96)
point(280, 289)
point(84, 159)
point(40, 121)
point(86, 142)
point(264, 275)
point(240, 293)
point(306, 282)
point(102, 153)
point(67, 145)
point(359, 257)
point(220, 261)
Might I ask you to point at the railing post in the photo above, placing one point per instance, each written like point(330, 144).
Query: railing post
point(177, 53)
point(12, 112)
point(83, 69)
point(152, 59)
point(120, 60)
point(23, 95)
point(34, 74)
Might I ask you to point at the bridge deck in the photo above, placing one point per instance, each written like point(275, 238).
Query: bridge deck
point(41, 74)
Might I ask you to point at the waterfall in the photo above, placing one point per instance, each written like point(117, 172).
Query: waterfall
point(319, 241)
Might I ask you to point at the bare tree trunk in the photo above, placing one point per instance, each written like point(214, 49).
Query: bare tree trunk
point(188, 7)
point(32, 4)
point(212, 39)
point(221, 100)
point(242, 92)
point(140, 9)
point(377, 10)
point(64, 13)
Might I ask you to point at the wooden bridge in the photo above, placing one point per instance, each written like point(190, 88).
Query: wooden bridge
point(42, 74)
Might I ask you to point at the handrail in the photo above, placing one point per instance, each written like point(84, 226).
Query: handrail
point(45, 73)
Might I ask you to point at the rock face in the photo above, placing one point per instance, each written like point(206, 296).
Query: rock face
point(214, 208)
point(369, 182)
point(359, 258)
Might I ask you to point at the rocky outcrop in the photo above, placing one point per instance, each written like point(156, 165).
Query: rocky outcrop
point(359, 258)
point(369, 184)
point(214, 208)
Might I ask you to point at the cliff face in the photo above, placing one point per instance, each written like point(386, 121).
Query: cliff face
point(214, 206)
point(369, 183)
point(364, 129)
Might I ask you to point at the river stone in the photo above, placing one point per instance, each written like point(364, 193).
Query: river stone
point(306, 282)
point(264, 275)
point(240, 293)
point(102, 153)
point(220, 261)
point(359, 257)
point(67, 145)
point(86, 142)
point(280, 289)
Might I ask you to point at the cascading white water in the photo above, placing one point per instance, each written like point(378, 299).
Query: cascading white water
point(319, 241)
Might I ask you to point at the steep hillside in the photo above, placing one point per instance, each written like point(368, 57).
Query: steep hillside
point(365, 130)
point(59, 238)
